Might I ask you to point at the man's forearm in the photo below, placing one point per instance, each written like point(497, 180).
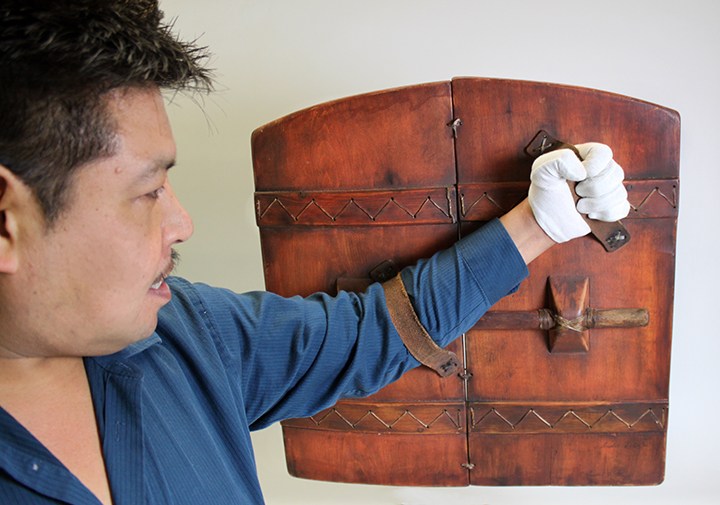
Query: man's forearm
point(524, 230)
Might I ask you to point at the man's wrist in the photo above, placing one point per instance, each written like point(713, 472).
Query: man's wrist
point(529, 238)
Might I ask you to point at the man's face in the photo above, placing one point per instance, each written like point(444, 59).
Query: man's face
point(93, 281)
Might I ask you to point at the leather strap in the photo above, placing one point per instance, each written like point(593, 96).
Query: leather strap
point(413, 334)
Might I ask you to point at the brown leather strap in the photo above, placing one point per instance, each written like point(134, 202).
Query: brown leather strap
point(413, 334)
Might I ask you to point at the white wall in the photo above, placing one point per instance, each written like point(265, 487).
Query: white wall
point(276, 56)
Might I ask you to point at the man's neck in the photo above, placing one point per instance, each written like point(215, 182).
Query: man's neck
point(28, 376)
point(51, 398)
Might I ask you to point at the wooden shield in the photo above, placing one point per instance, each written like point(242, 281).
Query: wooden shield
point(564, 382)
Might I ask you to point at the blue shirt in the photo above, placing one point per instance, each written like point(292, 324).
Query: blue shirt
point(175, 411)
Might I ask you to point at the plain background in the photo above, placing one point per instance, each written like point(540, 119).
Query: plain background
point(273, 57)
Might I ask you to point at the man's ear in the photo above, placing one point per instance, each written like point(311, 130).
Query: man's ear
point(13, 196)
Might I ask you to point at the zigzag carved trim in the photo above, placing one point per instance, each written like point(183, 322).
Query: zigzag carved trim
point(657, 196)
point(477, 202)
point(339, 208)
point(615, 418)
point(485, 201)
point(391, 418)
point(489, 418)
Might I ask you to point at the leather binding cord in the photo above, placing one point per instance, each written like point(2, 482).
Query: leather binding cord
point(577, 324)
point(413, 334)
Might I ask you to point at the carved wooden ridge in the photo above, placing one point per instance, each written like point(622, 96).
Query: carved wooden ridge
point(491, 418)
point(395, 418)
point(477, 202)
point(425, 206)
point(502, 418)
point(484, 201)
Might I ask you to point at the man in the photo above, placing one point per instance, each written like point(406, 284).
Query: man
point(120, 384)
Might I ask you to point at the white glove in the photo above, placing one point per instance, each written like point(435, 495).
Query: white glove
point(550, 197)
point(602, 194)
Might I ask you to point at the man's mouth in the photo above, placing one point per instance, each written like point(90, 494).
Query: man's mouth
point(174, 258)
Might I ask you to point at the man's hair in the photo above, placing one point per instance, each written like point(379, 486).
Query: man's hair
point(58, 61)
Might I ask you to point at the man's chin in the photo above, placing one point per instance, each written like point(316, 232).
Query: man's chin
point(121, 342)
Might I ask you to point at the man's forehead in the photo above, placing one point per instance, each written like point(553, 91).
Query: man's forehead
point(142, 130)
point(139, 109)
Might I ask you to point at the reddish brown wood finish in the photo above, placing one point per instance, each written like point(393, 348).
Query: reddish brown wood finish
point(346, 185)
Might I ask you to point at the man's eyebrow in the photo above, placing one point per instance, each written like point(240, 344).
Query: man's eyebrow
point(153, 168)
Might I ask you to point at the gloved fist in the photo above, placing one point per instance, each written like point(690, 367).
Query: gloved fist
point(601, 191)
point(602, 194)
point(550, 197)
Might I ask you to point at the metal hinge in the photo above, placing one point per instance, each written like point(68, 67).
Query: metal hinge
point(455, 124)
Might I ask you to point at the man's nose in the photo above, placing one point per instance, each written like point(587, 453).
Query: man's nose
point(178, 225)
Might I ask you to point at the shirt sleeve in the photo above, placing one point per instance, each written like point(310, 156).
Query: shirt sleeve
point(453, 289)
point(296, 356)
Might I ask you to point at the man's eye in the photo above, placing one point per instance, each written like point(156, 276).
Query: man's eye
point(156, 194)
